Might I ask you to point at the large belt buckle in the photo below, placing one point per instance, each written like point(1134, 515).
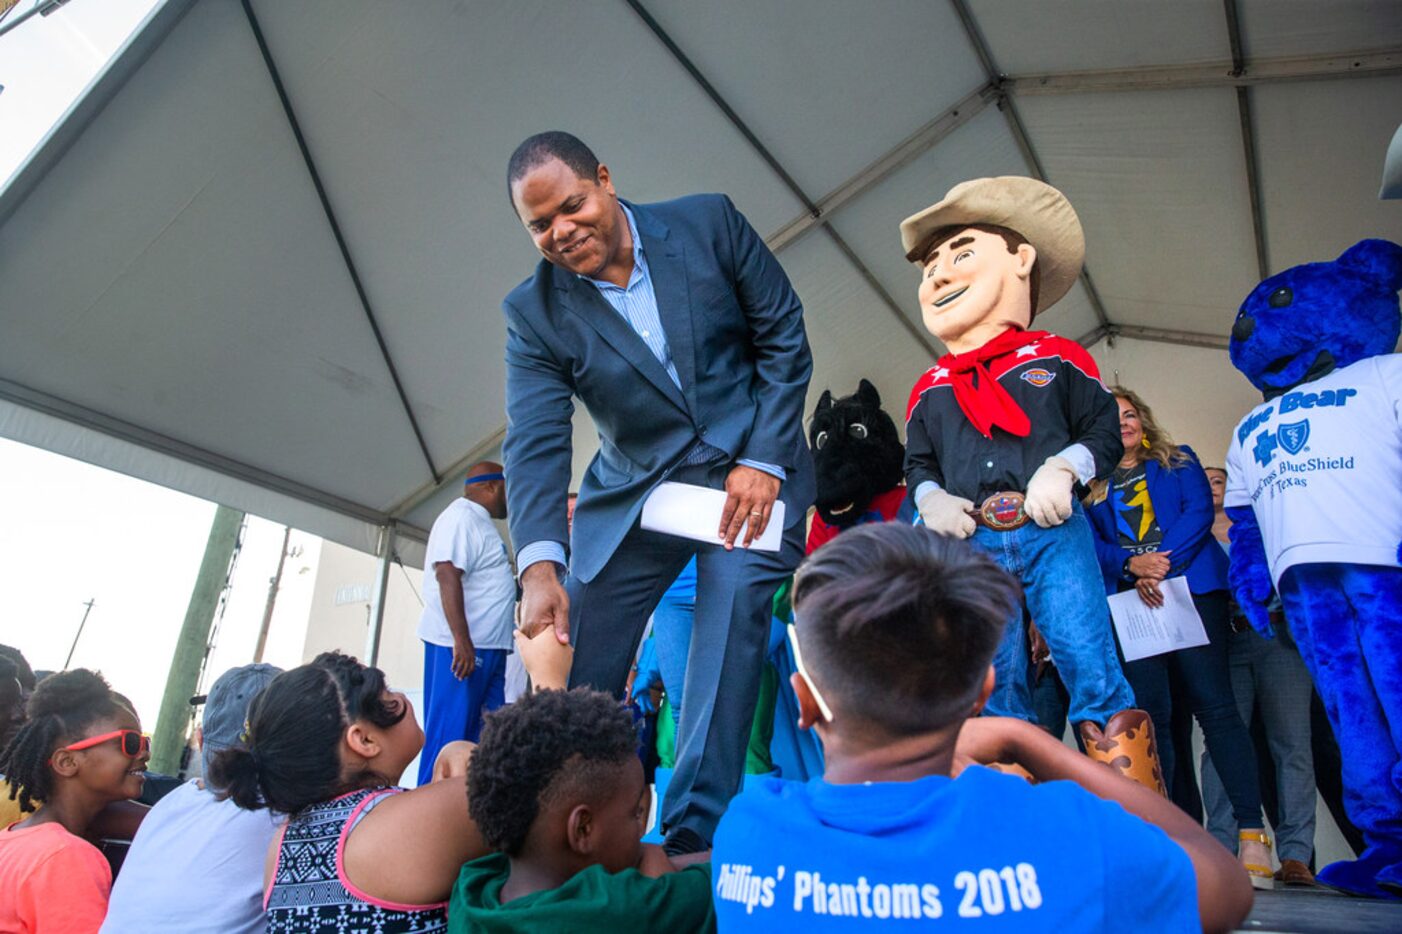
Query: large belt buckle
point(1002, 512)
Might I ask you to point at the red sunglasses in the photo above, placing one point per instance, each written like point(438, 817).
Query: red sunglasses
point(133, 742)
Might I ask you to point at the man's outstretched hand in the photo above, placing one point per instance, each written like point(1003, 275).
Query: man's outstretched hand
point(544, 602)
point(749, 496)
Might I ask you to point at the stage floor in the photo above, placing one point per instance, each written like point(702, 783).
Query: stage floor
point(1321, 911)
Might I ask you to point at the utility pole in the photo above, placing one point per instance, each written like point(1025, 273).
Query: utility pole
point(172, 724)
point(272, 598)
point(83, 622)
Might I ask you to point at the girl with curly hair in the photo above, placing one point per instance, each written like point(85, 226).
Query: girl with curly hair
point(81, 750)
point(326, 744)
point(1153, 520)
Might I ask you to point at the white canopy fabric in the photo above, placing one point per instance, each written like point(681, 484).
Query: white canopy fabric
point(261, 258)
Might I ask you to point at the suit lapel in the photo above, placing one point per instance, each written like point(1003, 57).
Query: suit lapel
point(584, 301)
point(666, 261)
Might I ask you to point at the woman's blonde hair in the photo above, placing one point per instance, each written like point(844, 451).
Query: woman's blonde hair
point(1160, 446)
point(1157, 443)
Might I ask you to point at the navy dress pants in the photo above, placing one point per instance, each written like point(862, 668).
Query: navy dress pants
point(729, 636)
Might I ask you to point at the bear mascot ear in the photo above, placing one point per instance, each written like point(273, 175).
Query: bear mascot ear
point(824, 402)
point(1377, 260)
point(868, 395)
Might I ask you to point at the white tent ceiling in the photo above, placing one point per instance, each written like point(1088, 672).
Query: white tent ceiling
point(189, 295)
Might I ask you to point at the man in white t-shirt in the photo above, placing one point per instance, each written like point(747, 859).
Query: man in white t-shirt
point(196, 865)
point(469, 595)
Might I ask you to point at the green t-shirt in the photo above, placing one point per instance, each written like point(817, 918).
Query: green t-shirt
point(592, 901)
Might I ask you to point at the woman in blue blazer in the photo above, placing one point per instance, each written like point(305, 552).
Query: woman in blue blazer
point(1153, 520)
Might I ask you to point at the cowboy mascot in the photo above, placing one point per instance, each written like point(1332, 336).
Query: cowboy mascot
point(1004, 431)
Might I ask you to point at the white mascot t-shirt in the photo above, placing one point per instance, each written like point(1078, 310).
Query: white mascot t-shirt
point(1322, 467)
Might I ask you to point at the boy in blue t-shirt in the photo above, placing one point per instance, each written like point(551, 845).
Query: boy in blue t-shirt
point(894, 631)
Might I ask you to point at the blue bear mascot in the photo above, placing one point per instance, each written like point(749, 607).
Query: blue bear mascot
point(1315, 495)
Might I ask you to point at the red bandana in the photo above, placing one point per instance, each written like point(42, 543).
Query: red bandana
point(985, 403)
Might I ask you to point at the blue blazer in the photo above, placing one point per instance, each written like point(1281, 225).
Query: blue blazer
point(1182, 502)
point(735, 328)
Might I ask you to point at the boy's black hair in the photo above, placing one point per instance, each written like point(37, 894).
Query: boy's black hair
point(552, 144)
point(23, 672)
point(61, 709)
point(898, 625)
point(546, 745)
point(291, 757)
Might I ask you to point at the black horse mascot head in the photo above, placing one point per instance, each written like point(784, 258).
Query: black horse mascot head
point(856, 453)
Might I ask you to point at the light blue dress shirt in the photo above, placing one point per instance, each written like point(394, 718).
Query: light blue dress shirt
point(636, 303)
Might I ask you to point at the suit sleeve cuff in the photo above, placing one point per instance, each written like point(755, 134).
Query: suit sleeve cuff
point(774, 470)
point(536, 552)
point(1081, 460)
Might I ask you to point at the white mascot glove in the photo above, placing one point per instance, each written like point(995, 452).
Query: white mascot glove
point(947, 514)
point(1048, 500)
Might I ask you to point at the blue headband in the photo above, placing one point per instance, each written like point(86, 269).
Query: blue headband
point(484, 477)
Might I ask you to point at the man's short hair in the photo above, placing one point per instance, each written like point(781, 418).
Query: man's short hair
point(898, 625)
point(552, 144)
point(544, 747)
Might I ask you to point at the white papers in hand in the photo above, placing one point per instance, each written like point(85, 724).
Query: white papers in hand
point(693, 512)
point(1146, 631)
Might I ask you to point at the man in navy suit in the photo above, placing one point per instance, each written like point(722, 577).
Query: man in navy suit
point(680, 333)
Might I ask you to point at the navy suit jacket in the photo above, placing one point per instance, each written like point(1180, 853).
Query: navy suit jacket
point(735, 328)
point(1182, 502)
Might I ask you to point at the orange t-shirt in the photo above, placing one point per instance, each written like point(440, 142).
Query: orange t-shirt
point(51, 882)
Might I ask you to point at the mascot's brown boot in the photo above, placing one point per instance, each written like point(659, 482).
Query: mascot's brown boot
point(1127, 745)
point(1012, 768)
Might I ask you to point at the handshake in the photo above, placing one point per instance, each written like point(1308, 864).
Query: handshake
point(547, 660)
point(1047, 503)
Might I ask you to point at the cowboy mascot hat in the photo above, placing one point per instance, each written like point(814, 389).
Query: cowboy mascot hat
point(1033, 209)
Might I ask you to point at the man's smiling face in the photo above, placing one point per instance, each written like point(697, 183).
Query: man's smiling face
point(969, 278)
point(576, 223)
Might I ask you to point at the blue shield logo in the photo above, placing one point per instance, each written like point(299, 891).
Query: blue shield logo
point(1293, 436)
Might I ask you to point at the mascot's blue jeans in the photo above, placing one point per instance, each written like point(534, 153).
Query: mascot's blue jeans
point(1065, 595)
point(1347, 622)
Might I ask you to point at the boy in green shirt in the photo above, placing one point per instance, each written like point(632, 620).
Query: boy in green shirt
point(557, 788)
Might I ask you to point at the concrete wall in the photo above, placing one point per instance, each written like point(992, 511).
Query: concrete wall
point(343, 623)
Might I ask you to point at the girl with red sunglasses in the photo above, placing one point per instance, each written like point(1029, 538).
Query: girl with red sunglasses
point(81, 750)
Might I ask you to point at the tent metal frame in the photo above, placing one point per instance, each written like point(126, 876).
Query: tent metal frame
point(1019, 131)
point(999, 89)
point(296, 127)
point(682, 59)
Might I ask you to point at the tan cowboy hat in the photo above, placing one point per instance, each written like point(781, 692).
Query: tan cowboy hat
point(1034, 209)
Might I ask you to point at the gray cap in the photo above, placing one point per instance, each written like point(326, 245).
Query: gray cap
point(226, 706)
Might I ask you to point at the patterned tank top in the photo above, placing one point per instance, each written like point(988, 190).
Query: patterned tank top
point(310, 893)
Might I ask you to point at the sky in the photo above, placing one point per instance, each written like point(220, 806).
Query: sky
point(71, 532)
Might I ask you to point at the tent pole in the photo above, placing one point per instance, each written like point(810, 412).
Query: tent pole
point(1155, 335)
point(1248, 136)
point(900, 155)
point(378, 596)
point(1359, 63)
